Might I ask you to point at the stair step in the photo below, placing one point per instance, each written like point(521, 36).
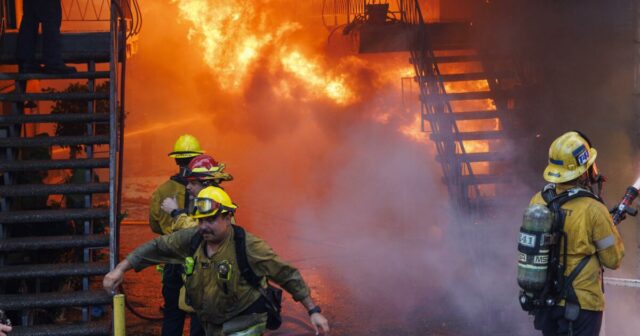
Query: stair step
point(53, 118)
point(477, 157)
point(53, 299)
point(31, 165)
point(461, 96)
point(53, 270)
point(483, 202)
point(100, 328)
point(46, 216)
point(44, 76)
point(466, 136)
point(486, 179)
point(53, 189)
point(54, 141)
point(457, 59)
point(54, 96)
point(53, 242)
point(501, 200)
point(471, 76)
point(471, 115)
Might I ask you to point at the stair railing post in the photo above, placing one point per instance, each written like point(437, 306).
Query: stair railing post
point(113, 138)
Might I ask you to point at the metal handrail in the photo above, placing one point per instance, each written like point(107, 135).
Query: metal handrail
point(92, 11)
point(3, 24)
point(351, 10)
point(3, 16)
point(85, 10)
point(341, 8)
point(118, 38)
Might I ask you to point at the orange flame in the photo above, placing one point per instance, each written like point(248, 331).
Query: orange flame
point(310, 73)
point(234, 35)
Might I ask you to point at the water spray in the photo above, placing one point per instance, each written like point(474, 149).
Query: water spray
point(620, 212)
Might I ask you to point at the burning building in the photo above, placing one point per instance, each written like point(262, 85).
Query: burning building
point(386, 147)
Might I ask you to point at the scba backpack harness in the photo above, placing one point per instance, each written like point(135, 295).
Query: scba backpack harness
point(541, 263)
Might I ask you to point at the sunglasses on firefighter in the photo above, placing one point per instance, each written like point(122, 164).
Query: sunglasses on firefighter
point(204, 206)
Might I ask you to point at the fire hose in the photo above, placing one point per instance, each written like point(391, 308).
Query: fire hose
point(619, 213)
point(135, 312)
point(621, 282)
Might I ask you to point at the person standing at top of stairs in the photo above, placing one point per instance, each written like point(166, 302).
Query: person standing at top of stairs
point(49, 13)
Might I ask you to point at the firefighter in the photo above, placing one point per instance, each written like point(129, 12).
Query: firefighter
point(592, 239)
point(185, 149)
point(203, 171)
point(217, 288)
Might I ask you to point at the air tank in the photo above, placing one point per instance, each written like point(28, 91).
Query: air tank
point(533, 248)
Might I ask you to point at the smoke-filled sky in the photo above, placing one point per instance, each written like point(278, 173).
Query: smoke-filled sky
point(329, 165)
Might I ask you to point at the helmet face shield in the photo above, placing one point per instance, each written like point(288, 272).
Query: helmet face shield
point(211, 201)
point(200, 174)
point(206, 207)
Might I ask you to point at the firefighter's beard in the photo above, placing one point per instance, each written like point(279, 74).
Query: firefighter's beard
point(207, 231)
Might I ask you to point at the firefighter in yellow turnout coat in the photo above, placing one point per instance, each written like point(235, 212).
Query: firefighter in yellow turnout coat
point(224, 301)
point(185, 149)
point(590, 232)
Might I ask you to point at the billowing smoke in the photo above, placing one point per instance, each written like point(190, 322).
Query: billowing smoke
point(338, 187)
point(325, 166)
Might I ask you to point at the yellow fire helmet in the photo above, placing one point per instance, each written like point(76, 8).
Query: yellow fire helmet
point(211, 201)
point(570, 156)
point(185, 147)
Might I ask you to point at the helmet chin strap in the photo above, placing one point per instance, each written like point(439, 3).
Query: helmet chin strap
point(598, 181)
point(592, 181)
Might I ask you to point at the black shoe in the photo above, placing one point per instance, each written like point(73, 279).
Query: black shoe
point(30, 68)
point(59, 69)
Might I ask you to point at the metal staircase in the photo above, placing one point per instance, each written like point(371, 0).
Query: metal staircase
point(38, 278)
point(465, 92)
point(466, 124)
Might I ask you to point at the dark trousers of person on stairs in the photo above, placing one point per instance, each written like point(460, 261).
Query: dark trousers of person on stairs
point(49, 14)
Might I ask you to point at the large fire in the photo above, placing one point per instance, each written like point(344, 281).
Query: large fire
point(311, 74)
point(241, 40)
point(234, 35)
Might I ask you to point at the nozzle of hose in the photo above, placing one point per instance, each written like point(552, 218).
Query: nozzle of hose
point(624, 208)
